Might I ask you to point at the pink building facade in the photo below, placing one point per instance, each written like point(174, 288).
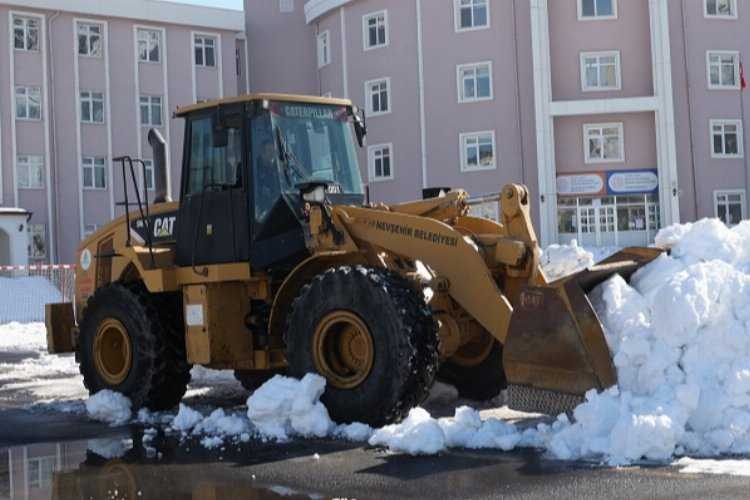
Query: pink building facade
point(81, 83)
point(621, 116)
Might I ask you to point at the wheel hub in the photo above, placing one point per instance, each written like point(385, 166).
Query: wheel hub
point(343, 349)
point(113, 354)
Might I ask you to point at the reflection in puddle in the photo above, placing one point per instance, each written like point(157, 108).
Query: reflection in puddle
point(116, 469)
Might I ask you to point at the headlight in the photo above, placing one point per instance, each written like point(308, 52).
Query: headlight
point(316, 195)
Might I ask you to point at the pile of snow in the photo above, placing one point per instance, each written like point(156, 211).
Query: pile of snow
point(22, 299)
point(680, 339)
point(110, 407)
point(561, 260)
point(284, 407)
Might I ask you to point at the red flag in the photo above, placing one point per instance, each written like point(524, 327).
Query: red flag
point(743, 82)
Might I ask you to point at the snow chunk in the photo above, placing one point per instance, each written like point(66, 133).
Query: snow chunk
point(110, 448)
point(284, 407)
point(705, 466)
point(218, 422)
point(110, 407)
point(418, 434)
point(562, 260)
point(356, 432)
point(186, 419)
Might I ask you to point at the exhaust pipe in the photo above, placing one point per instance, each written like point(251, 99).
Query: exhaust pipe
point(159, 147)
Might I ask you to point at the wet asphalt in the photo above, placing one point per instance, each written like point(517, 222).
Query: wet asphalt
point(47, 454)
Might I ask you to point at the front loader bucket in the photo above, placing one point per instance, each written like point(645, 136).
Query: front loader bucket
point(555, 346)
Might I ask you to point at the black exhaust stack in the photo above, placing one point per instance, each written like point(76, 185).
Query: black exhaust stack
point(159, 147)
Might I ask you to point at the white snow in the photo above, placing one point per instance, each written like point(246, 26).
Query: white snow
point(186, 419)
point(562, 260)
point(110, 407)
point(22, 299)
point(708, 466)
point(418, 434)
point(284, 407)
point(110, 448)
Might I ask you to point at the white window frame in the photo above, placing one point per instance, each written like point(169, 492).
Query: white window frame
point(150, 175)
point(372, 152)
point(28, 91)
point(150, 105)
point(30, 230)
point(83, 28)
point(200, 43)
point(462, 138)
point(736, 55)
point(25, 27)
point(457, 17)
point(324, 48)
point(743, 201)
point(368, 96)
point(460, 84)
point(143, 36)
point(740, 139)
point(599, 54)
point(587, 127)
point(732, 16)
point(91, 99)
point(93, 163)
point(581, 17)
point(366, 30)
point(24, 161)
point(90, 229)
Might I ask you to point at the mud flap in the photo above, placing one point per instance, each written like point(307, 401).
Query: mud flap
point(60, 321)
point(556, 341)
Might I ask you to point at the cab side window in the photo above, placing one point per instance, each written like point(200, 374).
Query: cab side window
point(213, 167)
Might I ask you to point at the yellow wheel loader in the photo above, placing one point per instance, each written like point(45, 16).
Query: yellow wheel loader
point(273, 262)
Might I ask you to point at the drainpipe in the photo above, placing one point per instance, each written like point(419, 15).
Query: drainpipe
point(53, 139)
point(519, 110)
point(689, 107)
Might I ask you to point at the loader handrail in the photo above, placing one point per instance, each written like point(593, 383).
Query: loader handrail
point(127, 161)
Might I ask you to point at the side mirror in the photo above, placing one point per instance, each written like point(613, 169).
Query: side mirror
point(360, 128)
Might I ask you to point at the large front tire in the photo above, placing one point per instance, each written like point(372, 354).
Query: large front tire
point(373, 338)
point(130, 343)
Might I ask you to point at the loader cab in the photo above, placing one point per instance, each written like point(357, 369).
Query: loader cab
point(245, 164)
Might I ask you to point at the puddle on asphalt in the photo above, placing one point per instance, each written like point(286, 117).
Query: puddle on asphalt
point(123, 468)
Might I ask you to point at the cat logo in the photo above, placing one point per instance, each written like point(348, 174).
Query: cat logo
point(164, 227)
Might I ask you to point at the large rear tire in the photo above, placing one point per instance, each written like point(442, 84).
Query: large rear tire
point(480, 379)
point(373, 338)
point(132, 342)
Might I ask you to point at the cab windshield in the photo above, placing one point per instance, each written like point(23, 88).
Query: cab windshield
point(297, 143)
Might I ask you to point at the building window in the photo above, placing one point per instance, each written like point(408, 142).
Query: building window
point(92, 107)
point(37, 246)
point(726, 139)
point(604, 142)
point(25, 33)
point(597, 9)
point(723, 69)
point(600, 71)
point(324, 49)
point(478, 151)
point(30, 171)
point(475, 82)
point(89, 229)
point(150, 181)
point(471, 14)
point(378, 96)
point(94, 173)
point(380, 162)
point(375, 30)
point(729, 206)
point(151, 111)
point(149, 45)
point(286, 6)
point(28, 103)
point(89, 39)
point(720, 8)
point(205, 51)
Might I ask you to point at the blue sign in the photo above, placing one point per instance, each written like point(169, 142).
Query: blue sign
point(623, 182)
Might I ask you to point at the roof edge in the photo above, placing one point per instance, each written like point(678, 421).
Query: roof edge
point(308, 99)
point(154, 11)
point(317, 8)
